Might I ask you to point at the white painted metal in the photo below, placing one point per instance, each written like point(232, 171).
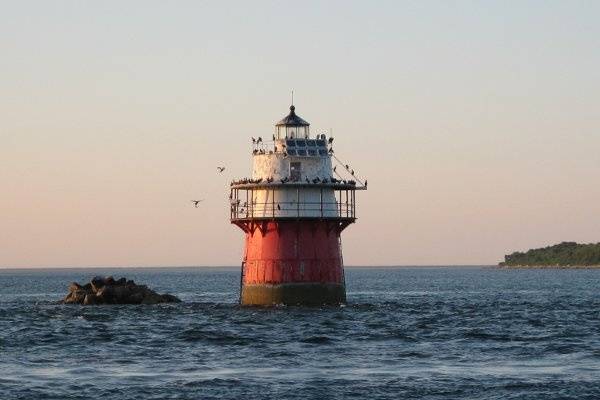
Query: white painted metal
point(293, 201)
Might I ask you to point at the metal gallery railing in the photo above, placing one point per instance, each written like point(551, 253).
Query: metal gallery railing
point(243, 205)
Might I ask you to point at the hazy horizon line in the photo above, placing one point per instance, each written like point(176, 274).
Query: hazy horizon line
point(233, 266)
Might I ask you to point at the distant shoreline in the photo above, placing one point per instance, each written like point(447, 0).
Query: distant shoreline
point(548, 267)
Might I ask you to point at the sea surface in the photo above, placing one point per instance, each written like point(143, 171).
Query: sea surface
point(406, 333)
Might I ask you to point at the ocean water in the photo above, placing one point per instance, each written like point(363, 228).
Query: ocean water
point(406, 333)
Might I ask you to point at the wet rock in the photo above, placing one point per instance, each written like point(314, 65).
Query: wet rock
point(74, 286)
point(97, 282)
point(110, 291)
point(89, 299)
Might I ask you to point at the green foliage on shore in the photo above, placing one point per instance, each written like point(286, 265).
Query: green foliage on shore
point(565, 254)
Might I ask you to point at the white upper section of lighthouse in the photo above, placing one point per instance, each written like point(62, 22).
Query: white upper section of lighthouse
point(295, 156)
point(293, 177)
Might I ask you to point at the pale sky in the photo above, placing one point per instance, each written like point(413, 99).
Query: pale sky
point(477, 124)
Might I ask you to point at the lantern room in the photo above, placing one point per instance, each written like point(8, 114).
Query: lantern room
point(292, 127)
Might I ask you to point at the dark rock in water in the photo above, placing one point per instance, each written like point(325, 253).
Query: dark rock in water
point(74, 286)
point(110, 291)
point(97, 282)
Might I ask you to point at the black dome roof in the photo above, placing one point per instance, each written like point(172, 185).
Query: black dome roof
point(292, 119)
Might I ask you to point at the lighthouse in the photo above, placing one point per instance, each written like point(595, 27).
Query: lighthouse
point(292, 210)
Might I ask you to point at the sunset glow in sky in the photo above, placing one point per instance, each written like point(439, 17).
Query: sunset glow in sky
point(477, 124)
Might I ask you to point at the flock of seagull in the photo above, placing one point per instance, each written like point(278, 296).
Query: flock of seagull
point(287, 179)
point(196, 202)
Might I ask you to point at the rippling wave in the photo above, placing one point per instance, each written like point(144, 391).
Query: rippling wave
point(445, 333)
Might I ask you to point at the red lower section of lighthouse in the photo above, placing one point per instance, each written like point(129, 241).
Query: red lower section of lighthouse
point(293, 262)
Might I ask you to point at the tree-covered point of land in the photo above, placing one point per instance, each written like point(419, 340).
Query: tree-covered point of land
point(564, 254)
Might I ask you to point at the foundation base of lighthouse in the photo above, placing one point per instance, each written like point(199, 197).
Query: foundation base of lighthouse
point(308, 294)
point(292, 262)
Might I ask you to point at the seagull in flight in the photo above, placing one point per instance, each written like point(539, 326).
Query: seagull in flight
point(196, 202)
point(220, 169)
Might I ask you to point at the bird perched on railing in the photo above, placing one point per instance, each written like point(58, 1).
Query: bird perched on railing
point(352, 172)
point(330, 140)
point(259, 140)
point(347, 166)
point(365, 183)
point(307, 180)
point(334, 168)
point(253, 141)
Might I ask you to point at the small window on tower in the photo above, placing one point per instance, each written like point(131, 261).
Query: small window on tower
point(295, 171)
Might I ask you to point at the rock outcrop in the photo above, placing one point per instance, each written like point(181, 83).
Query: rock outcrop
point(110, 291)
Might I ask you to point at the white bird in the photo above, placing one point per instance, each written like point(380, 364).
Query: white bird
point(196, 202)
